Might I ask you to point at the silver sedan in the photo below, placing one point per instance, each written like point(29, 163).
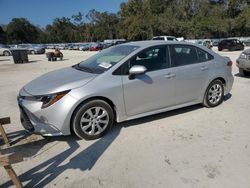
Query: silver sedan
point(243, 63)
point(121, 83)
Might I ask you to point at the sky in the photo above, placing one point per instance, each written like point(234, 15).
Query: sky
point(42, 12)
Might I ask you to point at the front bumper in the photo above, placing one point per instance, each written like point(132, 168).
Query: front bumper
point(51, 121)
point(34, 125)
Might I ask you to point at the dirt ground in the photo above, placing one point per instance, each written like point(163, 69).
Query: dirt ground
point(193, 147)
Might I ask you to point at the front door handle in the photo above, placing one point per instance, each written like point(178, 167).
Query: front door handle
point(170, 75)
point(203, 68)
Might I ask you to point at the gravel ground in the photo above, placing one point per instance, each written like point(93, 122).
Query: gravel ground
point(193, 147)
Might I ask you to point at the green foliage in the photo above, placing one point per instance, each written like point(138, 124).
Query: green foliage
point(3, 37)
point(141, 20)
point(20, 30)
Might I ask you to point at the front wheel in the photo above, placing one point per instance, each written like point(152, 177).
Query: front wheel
point(214, 94)
point(6, 53)
point(92, 119)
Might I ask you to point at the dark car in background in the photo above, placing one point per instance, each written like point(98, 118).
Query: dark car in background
point(230, 44)
point(96, 47)
point(32, 48)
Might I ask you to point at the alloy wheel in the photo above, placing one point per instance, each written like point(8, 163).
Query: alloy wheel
point(94, 121)
point(215, 93)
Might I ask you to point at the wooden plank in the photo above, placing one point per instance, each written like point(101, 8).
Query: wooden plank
point(10, 159)
point(5, 120)
point(13, 176)
point(3, 133)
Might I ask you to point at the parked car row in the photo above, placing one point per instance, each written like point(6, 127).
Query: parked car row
point(5, 50)
point(91, 46)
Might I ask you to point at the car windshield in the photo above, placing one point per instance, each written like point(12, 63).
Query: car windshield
point(104, 60)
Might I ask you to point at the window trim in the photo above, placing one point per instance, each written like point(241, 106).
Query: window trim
point(172, 65)
point(117, 72)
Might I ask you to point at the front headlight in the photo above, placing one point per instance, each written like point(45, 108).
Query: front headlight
point(51, 99)
point(243, 56)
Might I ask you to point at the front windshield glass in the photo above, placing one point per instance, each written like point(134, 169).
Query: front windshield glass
point(106, 59)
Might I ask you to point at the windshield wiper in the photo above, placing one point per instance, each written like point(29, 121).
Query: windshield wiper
point(81, 68)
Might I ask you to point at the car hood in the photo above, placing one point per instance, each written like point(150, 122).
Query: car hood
point(57, 81)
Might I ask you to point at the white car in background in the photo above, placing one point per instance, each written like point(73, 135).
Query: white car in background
point(166, 38)
point(5, 50)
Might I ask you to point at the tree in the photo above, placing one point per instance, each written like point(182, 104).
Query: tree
point(61, 30)
point(20, 30)
point(3, 38)
point(135, 20)
point(103, 25)
point(235, 7)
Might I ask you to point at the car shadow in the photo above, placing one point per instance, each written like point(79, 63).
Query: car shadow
point(86, 158)
point(23, 143)
point(45, 172)
point(18, 136)
point(147, 119)
point(227, 97)
point(241, 76)
point(34, 61)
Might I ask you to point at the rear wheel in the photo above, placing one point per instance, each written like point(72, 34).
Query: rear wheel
point(214, 94)
point(242, 72)
point(219, 49)
point(92, 119)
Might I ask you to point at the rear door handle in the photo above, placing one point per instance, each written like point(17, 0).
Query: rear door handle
point(170, 75)
point(203, 68)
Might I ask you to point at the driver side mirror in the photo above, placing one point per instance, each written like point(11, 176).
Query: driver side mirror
point(136, 70)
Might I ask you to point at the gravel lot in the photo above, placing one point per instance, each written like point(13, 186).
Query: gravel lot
point(193, 147)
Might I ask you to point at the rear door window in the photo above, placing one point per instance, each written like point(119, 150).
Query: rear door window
point(183, 55)
point(203, 56)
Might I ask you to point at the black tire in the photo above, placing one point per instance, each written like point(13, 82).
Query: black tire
point(242, 72)
point(6, 53)
point(82, 112)
point(219, 49)
point(208, 98)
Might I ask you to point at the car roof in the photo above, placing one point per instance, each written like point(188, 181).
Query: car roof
point(149, 43)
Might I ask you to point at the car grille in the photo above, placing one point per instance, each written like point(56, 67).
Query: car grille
point(25, 120)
